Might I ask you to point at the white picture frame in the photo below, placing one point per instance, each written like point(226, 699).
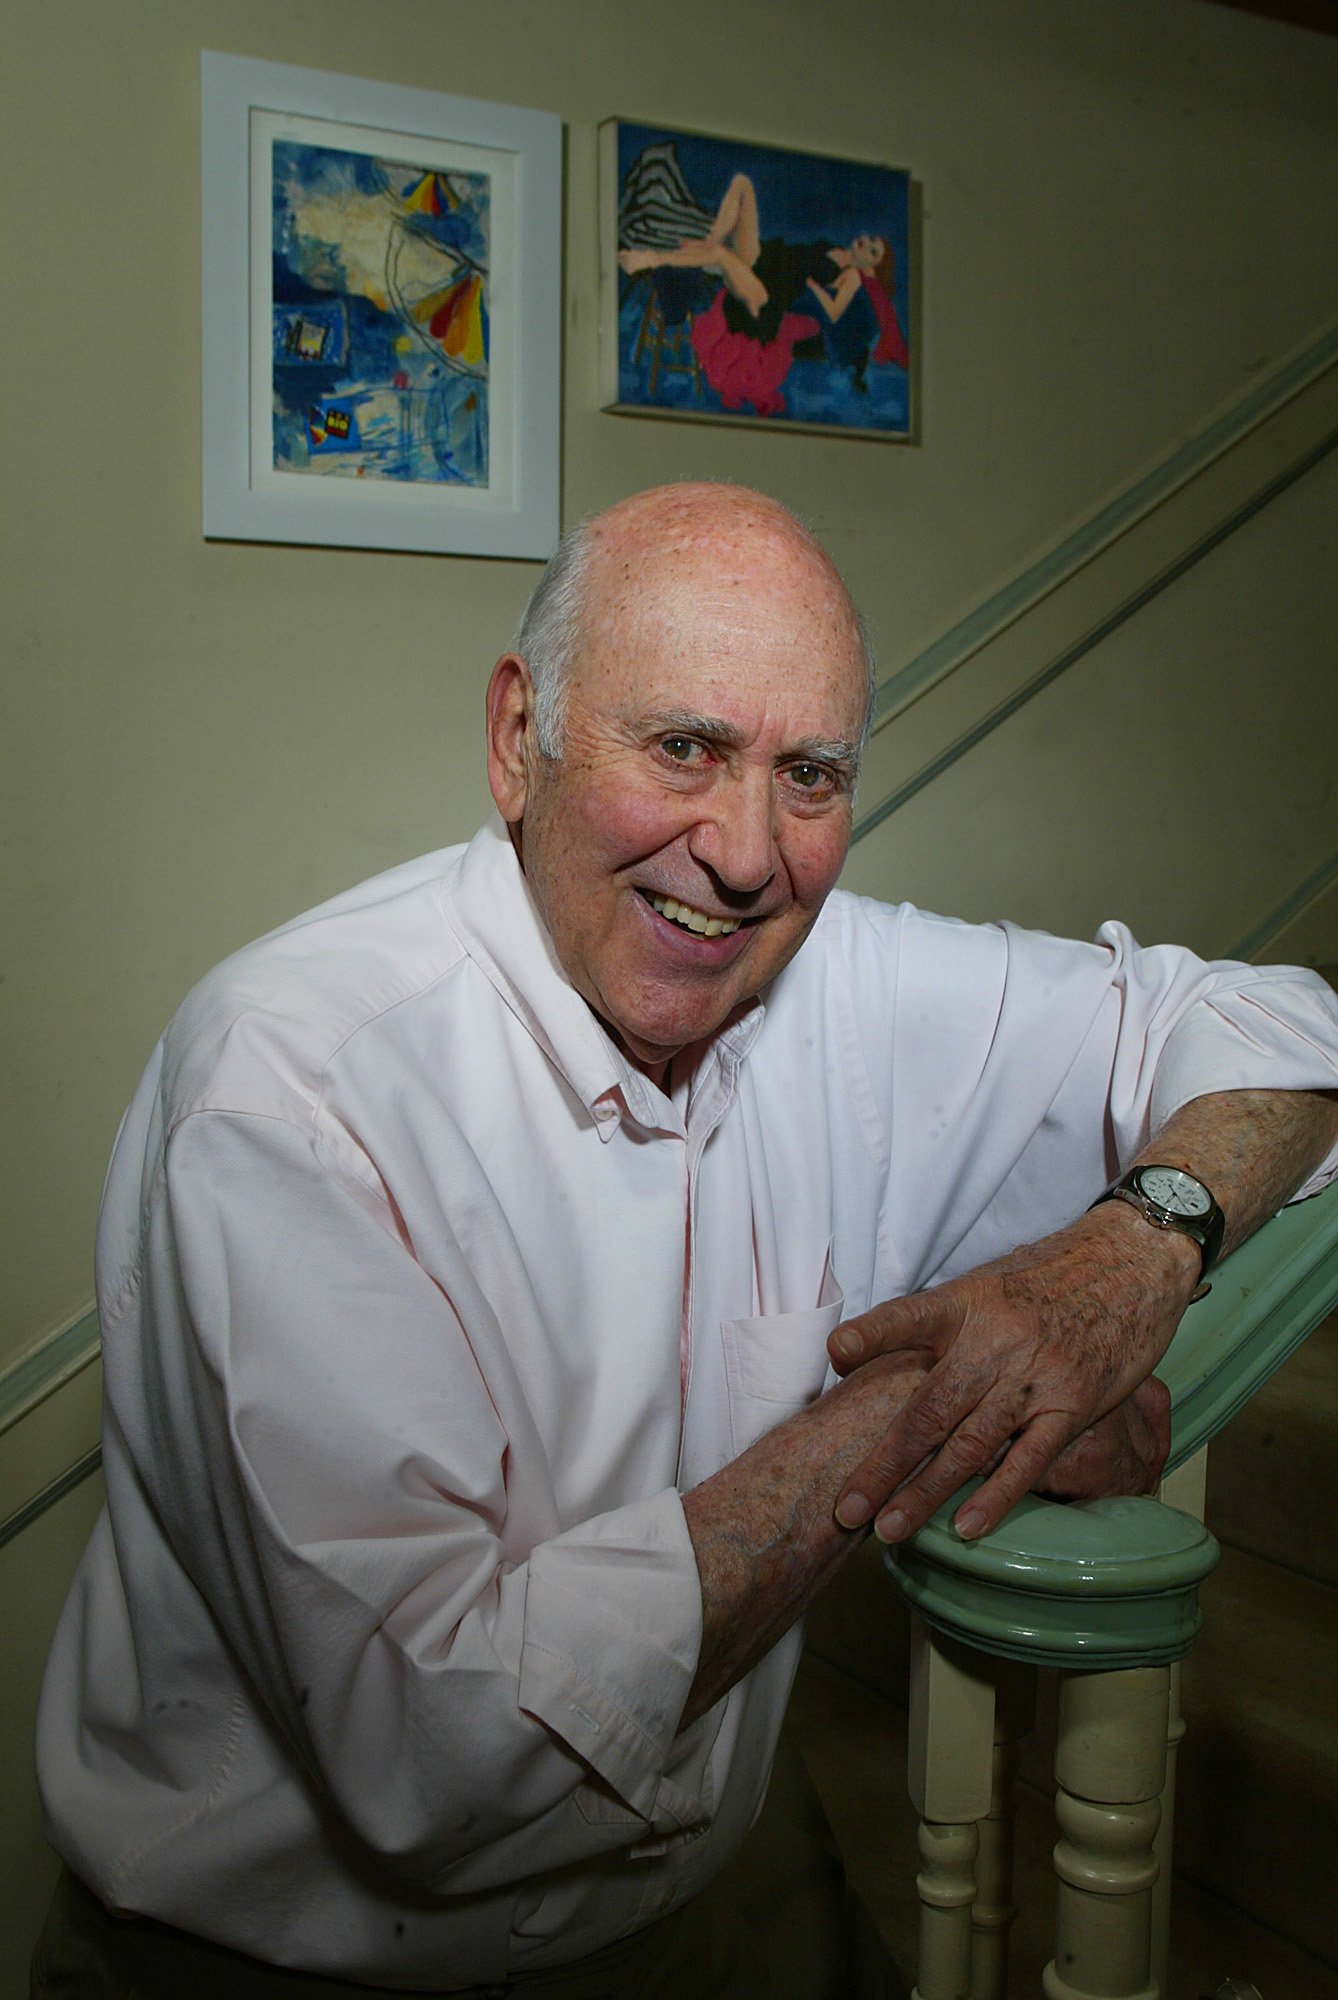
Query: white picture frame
point(262, 474)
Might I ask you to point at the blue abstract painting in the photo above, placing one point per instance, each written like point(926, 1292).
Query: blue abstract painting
point(380, 318)
point(759, 283)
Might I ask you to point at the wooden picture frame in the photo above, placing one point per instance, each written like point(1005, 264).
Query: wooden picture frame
point(743, 283)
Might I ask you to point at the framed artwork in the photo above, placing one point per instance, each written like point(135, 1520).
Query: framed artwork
point(381, 299)
point(751, 284)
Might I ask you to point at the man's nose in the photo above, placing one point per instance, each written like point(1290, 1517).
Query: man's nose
point(736, 835)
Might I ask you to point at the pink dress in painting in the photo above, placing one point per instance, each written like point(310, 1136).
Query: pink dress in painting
point(742, 369)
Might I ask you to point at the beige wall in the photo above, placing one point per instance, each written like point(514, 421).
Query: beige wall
point(1129, 210)
point(1180, 776)
point(1130, 215)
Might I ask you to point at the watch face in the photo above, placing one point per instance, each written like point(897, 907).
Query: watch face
point(1172, 1189)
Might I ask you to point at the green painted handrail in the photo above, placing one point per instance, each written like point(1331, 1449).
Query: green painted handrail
point(1266, 1298)
point(1114, 1583)
point(1105, 1583)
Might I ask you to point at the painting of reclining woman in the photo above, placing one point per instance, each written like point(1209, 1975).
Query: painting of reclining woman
point(753, 283)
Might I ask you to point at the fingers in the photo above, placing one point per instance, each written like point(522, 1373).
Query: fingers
point(1023, 1466)
point(1029, 1359)
point(923, 1319)
point(943, 1435)
point(925, 1457)
point(1122, 1453)
point(963, 1421)
point(1154, 1401)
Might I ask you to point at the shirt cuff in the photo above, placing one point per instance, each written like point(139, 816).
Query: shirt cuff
point(613, 1626)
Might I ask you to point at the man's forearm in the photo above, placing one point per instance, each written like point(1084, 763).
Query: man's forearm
point(1253, 1148)
point(1036, 1347)
point(763, 1530)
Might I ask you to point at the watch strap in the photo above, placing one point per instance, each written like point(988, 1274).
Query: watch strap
point(1206, 1230)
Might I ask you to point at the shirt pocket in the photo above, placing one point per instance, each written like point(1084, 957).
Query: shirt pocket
point(775, 1364)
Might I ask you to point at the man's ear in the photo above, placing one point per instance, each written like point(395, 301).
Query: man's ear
point(510, 711)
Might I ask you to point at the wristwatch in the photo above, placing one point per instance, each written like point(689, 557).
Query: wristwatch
point(1169, 1198)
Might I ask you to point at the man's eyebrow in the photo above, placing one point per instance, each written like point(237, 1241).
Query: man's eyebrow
point(681, 722)
point(714, 729)
point(824, 750)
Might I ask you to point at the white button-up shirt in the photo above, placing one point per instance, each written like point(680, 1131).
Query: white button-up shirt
point(421, 1307)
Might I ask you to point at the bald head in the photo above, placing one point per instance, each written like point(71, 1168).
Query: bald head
point(604, 572)
point(700, 677)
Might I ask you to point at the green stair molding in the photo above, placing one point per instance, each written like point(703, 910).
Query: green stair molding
point(1266, 1298)
point(1104, 1583)
point(1114, 1583)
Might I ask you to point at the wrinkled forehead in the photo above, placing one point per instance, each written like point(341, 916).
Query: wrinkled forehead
point(674, 593)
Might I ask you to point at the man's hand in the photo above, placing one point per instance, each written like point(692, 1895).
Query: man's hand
point(762, 1528)
point(1121, 1453)
point(1039, 1377)
point(1035, 1370)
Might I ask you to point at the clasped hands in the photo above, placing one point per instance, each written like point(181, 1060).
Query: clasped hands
point(1035, 1370)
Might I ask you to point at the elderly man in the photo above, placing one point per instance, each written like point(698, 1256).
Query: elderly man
point(467, 1270)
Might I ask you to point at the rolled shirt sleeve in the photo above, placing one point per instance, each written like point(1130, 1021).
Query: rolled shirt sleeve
point(1187, 1027)
point(1249, 1023)
point(1022, 1072)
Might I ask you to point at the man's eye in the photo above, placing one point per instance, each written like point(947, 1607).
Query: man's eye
point(681, 749)
point(810, 777)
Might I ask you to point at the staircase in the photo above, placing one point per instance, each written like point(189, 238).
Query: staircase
point(1258, 1793)
point(1257, 1801)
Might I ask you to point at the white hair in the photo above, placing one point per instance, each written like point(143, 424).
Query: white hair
point(550, 631)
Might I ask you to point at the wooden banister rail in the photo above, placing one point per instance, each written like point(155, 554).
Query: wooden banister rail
point(1107, 1592)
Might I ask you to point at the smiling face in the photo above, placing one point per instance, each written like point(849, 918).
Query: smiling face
point(681, 846)
point(867, 252)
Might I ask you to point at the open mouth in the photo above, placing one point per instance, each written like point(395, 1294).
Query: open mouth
point(688, 919)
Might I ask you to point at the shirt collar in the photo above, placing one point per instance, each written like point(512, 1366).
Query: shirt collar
point(490, 908)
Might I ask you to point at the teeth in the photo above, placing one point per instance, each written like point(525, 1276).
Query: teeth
point(694, 920)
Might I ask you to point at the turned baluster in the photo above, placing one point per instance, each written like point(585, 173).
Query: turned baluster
point(1184, 1488)
point(1110, 1765)
point(946, 1886)
point(993, 1911)
point(949, 1768)
point(1107, 1591)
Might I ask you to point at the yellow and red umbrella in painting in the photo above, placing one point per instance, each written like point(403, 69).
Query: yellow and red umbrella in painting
point(433, 195)
point(455, 319)
point(450, 315)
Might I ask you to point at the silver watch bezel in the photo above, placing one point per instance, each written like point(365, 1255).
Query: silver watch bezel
point(1206, 1229)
